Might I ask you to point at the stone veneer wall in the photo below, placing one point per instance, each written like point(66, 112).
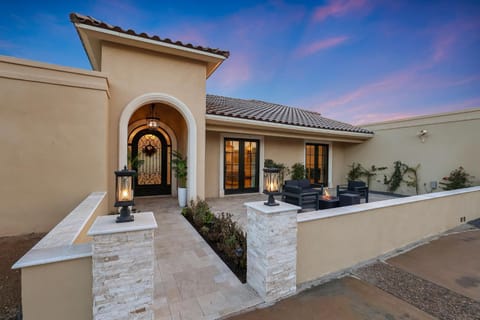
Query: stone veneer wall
point(123, 269)
point(272, 249)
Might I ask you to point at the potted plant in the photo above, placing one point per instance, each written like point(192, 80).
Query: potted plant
point(298, 171)
point(179, 164)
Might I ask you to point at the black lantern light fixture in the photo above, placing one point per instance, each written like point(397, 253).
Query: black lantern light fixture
point(271, 179)
point(152, 121)
point(124, 193)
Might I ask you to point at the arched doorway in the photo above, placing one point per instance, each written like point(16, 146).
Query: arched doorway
point(151, 156)
point(186, 142)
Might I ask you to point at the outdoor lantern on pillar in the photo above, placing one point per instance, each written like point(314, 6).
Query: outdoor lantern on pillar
point(271, 179)
point(124, 193)
point(152, 121)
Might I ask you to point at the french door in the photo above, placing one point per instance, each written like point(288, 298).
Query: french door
point(316, 163)
point(151, 151)
point(241, 165)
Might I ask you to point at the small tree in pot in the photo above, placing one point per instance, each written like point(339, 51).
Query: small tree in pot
point(179, 164)
point(298, 171)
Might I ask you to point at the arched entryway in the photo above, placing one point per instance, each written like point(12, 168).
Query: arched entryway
point(180, 130)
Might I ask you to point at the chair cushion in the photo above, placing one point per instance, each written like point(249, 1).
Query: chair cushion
point(291, 182)
point(356, 184)
point(304, 183)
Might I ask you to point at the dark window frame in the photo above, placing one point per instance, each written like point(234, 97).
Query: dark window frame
point(326, 168)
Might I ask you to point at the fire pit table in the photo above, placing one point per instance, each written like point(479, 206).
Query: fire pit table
point(328, 202)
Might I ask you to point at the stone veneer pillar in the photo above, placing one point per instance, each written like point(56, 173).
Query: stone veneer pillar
point(272, 249)
point(122, 266)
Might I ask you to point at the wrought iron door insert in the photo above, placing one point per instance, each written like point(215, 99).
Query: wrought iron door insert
point(152, 154)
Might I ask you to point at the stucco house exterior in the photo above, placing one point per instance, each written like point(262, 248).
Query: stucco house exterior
point(64, 131)
point(67, 130)
point(84, 125)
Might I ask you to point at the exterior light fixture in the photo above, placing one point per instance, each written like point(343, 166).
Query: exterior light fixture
point(271, 178)
point(124, 193)
point(152, 121)
point(422, 134)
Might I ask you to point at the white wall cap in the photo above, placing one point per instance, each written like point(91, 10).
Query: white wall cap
point(261, 207)
point(41, 256)
point(107, 225)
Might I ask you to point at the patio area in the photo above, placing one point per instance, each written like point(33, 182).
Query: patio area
point(234, 204)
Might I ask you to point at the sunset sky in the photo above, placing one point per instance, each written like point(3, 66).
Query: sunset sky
point(357, 61)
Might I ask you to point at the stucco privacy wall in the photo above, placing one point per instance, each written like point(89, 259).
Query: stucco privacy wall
point(44, 287)
point(452, 141)
point(53, 138)
point(282, 150)
point(332, 240)
point(135, 72)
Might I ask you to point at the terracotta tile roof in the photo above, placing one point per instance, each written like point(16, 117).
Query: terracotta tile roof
point(271, 112)
point(78, 18)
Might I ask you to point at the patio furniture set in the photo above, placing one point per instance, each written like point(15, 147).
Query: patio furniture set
point(305, 195)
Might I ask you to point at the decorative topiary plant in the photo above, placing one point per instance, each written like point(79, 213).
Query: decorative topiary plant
point(298, 171)
point(457, 179)
point(356, 171)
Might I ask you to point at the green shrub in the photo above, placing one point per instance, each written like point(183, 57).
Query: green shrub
point(457, 179)
point(399, 171)
point(221, 232)
point(355, 172)
point(298, 171)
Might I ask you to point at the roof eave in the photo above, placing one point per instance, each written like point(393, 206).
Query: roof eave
point(92, 37)
point(216, 119)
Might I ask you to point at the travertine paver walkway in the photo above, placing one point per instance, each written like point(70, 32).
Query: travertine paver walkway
point(191, 281)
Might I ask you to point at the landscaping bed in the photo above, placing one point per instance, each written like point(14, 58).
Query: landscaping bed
point(13, 248)
point(222, 234)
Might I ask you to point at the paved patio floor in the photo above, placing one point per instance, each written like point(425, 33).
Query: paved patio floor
point(191, 281)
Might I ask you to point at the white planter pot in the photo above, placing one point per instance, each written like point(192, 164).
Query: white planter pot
point(182, 197)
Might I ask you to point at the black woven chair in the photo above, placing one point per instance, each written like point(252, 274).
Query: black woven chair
point(301, 193)
point(358, 187)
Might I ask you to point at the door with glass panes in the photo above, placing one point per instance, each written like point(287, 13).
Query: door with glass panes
point(316, 163)
point(241, 165)
point(152, 163)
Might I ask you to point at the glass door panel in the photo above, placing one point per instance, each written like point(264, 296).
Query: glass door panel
point(241, 165)
point(316, 163)
point(232, 149)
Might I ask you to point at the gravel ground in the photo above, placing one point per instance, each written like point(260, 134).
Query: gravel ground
point(12, 249)
point(425, 295)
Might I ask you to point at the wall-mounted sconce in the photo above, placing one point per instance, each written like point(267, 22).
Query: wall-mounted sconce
point(422, 135)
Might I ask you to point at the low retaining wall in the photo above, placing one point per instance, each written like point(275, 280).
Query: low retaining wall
point(335, 239)
point(57, 271)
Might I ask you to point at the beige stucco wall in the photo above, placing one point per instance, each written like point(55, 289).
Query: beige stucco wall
point(452, 141)
point(135, 72)
point(61, 290)
point(212, 164)
point(53, 139)
point(284, 150)
point(338, 163)
point(331, 244)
